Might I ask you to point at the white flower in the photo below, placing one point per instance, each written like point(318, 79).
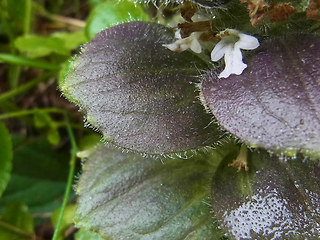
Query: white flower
point(229, 47)
point(185, 43)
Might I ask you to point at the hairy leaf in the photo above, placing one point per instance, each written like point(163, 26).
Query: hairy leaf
point(140, 95)
point(127, 196)
point(275, 102)
point(276, 199)
point(5, 157)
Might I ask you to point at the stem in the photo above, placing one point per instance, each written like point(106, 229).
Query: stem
point(14, 75)
point(27, 20)
point(14, 71)
point(16, 230)
point(31, 111)
point(68, 21)
point(242, 159)
point(10, 58)
point(58, 18)
point(70, 180)
point(23, 88)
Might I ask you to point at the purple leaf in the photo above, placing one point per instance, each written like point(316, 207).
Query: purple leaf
point(139, 94)
point(275, 102)
point(276, 199)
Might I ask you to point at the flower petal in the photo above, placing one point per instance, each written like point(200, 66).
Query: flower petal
point(183, 46)
point(195, 46)
point(233, 61)
point(219, 50)
point(247, 42)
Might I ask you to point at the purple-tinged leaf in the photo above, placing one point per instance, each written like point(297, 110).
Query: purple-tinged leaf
point(275, 102)
point(276, 199)
point(139, 94)
point(127, 196)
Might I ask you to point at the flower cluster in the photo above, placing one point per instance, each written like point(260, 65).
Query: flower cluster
point(229, 46)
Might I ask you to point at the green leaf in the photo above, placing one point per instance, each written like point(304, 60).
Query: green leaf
point(60, 43)
point(275, 102)
point(5, 157)
point(87, 235)
point(71, 40)
point(127, 196)
point(111, 13)
point(16, 222)
point(276, 199)
point(139, 94)
point(38, 46)
point(38, 177)
point(67, 219)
